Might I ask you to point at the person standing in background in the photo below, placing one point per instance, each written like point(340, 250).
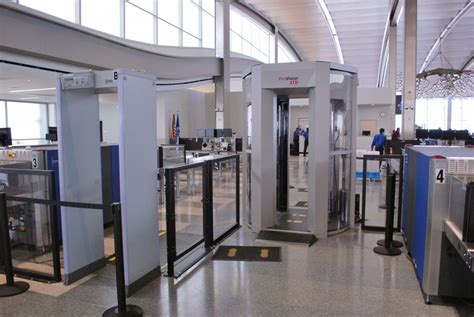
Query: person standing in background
point(306, 140)
point(296, 140)
point(396, 134)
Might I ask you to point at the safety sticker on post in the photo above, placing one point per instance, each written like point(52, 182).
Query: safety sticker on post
point(440, 176)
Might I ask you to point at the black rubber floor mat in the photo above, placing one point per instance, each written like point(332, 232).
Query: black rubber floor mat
point(302, 204)
point(291, 237)
point(240, 253)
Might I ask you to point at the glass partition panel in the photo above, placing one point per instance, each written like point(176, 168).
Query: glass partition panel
point(31, 225)
point(64, 9)
point(189, 208)
point(340, 149)
point(224, 187)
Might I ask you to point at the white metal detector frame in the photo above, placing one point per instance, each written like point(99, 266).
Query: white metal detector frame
point(80, 171)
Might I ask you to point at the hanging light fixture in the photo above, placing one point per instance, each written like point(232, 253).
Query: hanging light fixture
point(442, 82)
point(445, 83)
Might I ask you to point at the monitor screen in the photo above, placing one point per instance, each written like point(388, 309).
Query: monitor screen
point(227, 133)
point(462, 135)
point(366, 132)
point(448, 135)
point(201, 133)
point(435, 134)
point(210, 133)
point(422, 134)
point(5, 136)
point(52, 134)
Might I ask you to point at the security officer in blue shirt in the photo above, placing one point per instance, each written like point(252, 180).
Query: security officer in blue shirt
point(379, 143)
point(296, 140)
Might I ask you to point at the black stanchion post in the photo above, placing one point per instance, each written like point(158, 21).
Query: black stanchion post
point(170, 221)
point(11, 288)
point(390, 201)
point(207, 190)
point(122, 309)
point(237, 188)
point(357, 208)
point(387, 248)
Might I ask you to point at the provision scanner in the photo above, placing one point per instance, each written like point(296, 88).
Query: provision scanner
point(331, 90)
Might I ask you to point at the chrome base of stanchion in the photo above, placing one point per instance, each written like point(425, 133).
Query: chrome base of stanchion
point(389, 252)
point(395, 243)
point(132, 311)
point(16, 289)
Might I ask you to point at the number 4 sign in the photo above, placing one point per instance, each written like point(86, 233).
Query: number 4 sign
point(440, 176)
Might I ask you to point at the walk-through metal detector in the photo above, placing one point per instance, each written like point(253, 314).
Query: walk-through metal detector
point(331, 90)
point(80, 172)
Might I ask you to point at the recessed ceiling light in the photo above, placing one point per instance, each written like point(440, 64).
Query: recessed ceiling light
point(29, 90)
point(29, 98)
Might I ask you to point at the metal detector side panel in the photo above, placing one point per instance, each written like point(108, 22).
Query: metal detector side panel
point(420, 214)
point(138, 173)
point(438, 198)
point(80, 179)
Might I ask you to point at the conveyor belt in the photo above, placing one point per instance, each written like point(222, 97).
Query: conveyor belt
point(465, 250)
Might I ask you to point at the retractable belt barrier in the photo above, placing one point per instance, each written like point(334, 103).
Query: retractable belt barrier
point(12, 288)
point(388, 246)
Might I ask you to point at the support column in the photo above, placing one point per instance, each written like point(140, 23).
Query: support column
point(223, 51)
point(409, 73)
point(392, 74)
point(276, 38)
point(450, 108)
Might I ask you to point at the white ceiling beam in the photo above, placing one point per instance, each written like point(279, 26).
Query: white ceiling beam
point(332, 29)
point(444, 34)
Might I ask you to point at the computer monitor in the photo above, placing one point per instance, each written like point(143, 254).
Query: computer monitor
point(52, 134)
point(201, 133)
point(366, 132)
point(5, 136)
point(422, 134)
point(462, 135)
point(435, 134)
point(227, 133)
point(210, 133)
point(448, 135)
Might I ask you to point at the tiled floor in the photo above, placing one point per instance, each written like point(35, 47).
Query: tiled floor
point(340, 275)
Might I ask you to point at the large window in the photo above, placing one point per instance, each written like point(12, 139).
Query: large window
point(103, 15)
point(431, 113)
point(248, 37)
point(26, 129)
point(3, 114)
point(462, 114)
point(188, 23)
point(285, 54)
point(64, 9)
point(139, 20)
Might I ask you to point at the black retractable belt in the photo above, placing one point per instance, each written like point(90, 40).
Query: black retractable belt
point(388, 247)
point(122, 309)
point(11, 288)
